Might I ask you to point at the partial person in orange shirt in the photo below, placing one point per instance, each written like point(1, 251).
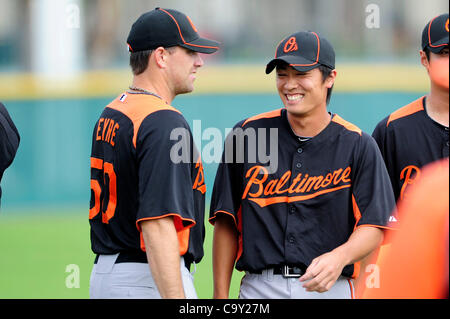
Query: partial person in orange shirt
point(416, 265)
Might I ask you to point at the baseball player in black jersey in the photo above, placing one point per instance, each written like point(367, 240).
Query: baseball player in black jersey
point(417, 133)
point(9, 141)
point(147, 182)
point(298, 227)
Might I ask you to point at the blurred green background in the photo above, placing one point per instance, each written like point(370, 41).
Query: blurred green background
point(63, 61)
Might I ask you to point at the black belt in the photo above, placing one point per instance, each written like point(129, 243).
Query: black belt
point(137, 257)
point(285, 270)
point(129, 257)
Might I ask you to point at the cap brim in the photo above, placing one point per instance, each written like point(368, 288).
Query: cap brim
point(298, 63)
point(202, 45)
point(439, 45)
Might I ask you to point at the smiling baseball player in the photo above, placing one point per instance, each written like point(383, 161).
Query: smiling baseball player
point(299, 231)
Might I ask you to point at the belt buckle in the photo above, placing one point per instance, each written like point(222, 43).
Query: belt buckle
point(287, 274)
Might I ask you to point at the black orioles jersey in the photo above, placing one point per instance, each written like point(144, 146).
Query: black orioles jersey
point(409, 139)
point(144, 165)
point(321, 191)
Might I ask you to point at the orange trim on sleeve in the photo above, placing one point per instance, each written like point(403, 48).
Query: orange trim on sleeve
point(183, 236)
point(266, 115)
point(137, 107)
point(377, 226)
point(183, 241)
point(406, 110)
point(211, 219)
point(349, 126)
point(238, 227)
point(356, 212)
point(357, 215)
point(183, 232)
point(180, 225)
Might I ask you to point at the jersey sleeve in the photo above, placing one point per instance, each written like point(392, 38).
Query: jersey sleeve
point(386, 144)
point(164, 154)
point(227, 190)
point(9, 140)
point(373, 198)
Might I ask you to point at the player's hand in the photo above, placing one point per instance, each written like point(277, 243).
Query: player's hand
point(323, 272)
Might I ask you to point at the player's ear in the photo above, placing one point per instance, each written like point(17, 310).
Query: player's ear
point(160, 57)
point(329, 82)
point(424, 59)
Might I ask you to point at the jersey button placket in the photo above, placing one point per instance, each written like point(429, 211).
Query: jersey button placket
point(291, 239)
point(297, 164)
point(297, 158)
point(292, 210)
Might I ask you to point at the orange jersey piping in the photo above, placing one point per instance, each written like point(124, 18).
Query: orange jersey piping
point(139, 108)
point(183, 232)
point(266, 115)
point(211, 219)
point(349, 126)
point(406, 110)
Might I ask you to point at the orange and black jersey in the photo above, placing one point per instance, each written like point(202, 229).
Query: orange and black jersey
point(144, 165)
point(321, 191)
point(408, 140)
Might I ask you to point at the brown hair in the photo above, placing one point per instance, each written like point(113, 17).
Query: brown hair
point(139, 60)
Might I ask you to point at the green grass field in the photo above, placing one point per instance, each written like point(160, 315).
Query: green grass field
point(37, 246)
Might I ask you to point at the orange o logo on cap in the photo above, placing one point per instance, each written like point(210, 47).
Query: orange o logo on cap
point(446, 25)
point(290, 45)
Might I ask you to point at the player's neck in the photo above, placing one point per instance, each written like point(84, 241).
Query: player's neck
point(437, 105)
point(310, 125)
point(152, 84)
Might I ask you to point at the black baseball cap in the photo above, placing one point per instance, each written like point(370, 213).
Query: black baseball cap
point(167, 28)
point(435, 34)
point(303, 51)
